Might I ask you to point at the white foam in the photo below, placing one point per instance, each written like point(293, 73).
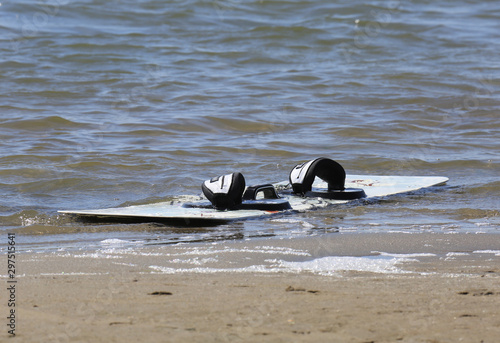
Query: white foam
point(330, 265)
point(205, 270)
point(348, 229)
point(450, 254)
point(246, 250)
point(125, 264)
point(282, 250)
point(96, 255)
point(333, 264)
point(495, 252)
point(406, 256)
point(194, 261)
point(115, 242)
point(453, 255)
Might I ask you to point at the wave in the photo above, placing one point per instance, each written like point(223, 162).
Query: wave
point(43, 124)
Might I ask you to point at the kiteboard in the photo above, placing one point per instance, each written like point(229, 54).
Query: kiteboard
point(198, 211)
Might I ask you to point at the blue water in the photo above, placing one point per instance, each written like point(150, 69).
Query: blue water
point(109, 103)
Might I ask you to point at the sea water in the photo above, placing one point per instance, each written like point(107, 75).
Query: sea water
point(120, 102)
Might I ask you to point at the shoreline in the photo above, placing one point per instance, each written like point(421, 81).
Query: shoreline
point(74, 297)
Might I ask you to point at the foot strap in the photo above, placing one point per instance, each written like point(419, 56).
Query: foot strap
point(266, 191)
point(226, 193)
point(303, 175)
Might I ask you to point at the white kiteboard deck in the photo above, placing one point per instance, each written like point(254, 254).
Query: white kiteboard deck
point(176, 213)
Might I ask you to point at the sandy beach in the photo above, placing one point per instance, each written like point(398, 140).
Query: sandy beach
point(84, 297)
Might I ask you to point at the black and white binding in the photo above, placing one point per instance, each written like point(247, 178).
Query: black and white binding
point(303, 175)
point(228, 192)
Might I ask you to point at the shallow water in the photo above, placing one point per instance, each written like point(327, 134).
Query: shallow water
point(109, 103)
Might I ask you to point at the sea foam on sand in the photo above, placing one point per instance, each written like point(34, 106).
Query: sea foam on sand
point(329, 265)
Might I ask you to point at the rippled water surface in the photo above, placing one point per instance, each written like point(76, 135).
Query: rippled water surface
point(108, 103)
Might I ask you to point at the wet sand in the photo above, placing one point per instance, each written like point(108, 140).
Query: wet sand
point(71, 298)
